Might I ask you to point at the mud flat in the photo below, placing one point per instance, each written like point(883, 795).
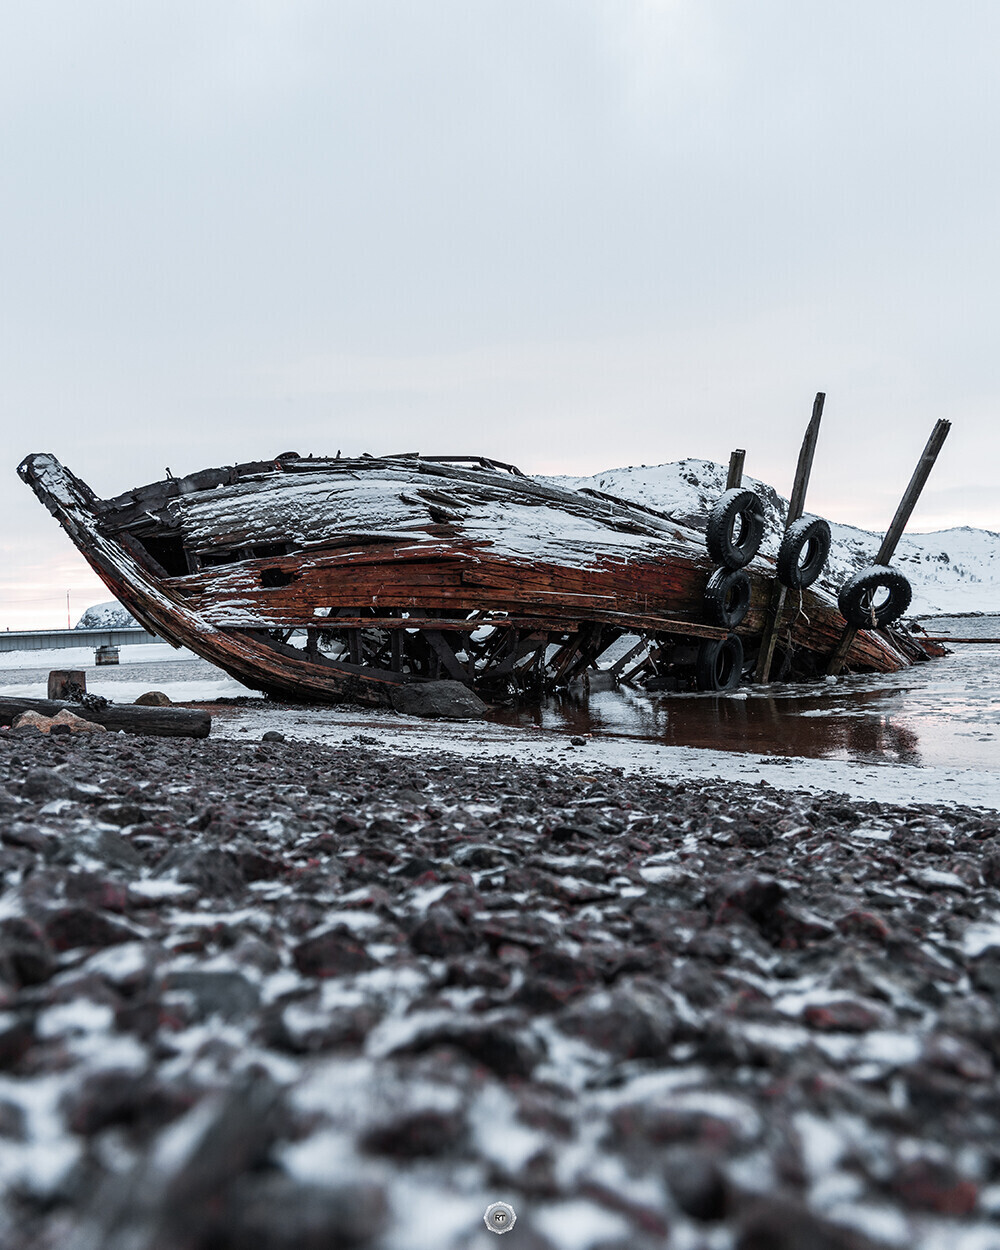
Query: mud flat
point(286, 994)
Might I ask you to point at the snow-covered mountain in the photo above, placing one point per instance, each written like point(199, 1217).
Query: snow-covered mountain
point(955, 570)
point(107, 616)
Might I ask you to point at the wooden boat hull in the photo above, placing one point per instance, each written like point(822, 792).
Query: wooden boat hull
point(404, 569)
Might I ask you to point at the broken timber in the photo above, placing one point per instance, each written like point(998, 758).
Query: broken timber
point(895, 530)
point(339, 579)
point(796, 506)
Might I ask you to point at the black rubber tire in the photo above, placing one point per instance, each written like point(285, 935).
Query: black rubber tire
point(720, 663)
point(808, 534)
point(736, 505)
point(856, 594)
point(727, 597)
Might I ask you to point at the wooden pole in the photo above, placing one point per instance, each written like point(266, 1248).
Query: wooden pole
point(895, 530)
point(796, 504)
point(735, 477)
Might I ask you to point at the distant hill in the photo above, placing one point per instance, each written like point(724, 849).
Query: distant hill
point(107, 616)
point(955, 570)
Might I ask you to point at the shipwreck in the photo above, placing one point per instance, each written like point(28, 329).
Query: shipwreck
point(330, 579)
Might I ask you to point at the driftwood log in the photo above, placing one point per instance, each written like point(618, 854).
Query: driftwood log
point(163, 722)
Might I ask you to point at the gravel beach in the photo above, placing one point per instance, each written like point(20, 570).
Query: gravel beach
point(283, 996)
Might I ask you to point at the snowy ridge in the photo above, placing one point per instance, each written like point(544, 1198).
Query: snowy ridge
point(110, 615)
point(955, 570)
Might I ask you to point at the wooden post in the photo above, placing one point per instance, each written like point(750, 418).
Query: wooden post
point(736, 459)
point(895, 530)
point(796, 505)
point(61, 679)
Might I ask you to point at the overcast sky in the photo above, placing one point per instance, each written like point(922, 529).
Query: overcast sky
point(569, 234)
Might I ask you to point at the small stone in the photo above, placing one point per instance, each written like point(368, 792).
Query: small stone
point(776, 1224)
point(630, 1022)
point(13, 1121)
point(697, 1183)
point(929, 1185)
point(273, 1211)
point(844, 1016)
point(272, 735)
point(756, 897)
point(153, 698)
point(331, 954)
point(865, 924)
point(216, 992)
point(424, 1133)
point(496, 1045)
point(953, 1054)
point(441, 933)
point(25, 955)
point(17, 1032)
point(70, 927)
point(46, 783)
point(984, 970)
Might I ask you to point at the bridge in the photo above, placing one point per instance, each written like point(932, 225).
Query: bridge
point(58, 639)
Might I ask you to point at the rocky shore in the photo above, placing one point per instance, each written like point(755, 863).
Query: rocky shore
point(283, 996)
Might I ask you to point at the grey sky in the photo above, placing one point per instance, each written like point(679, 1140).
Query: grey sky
point(570, 234)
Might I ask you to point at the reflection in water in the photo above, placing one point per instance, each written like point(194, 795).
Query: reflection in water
point(945, 712)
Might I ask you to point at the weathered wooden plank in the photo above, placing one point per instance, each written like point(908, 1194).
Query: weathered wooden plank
point(735, 476)
point(796, 504)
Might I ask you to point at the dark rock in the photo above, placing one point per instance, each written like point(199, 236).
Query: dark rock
point(990, 868)
point(272, 735)
point(441, 933)
point(96, 891)
point(929, 1185)
point(121, 813)
point(496, 1045)
point(984, 970)
point(697, 1183)
point(272, 1211)
point(70, 927)
point(450, 699)
point(955, 1054)
point(214, 872)
point(45, 783)
point(134, 1100)
point(25, 955)
point(13, 1121)
point(216, 992)
point(416, 1134)
point(753, 896)
point(630, 1022)
point(845, 1016)
point(303, 1027)
point(17, 1033)
point(865, 924)
point(332, 954)
point(416, 867)
point(775, 1224)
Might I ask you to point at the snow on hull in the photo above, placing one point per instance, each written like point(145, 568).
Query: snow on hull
point(404, 564)
point(951, 571)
